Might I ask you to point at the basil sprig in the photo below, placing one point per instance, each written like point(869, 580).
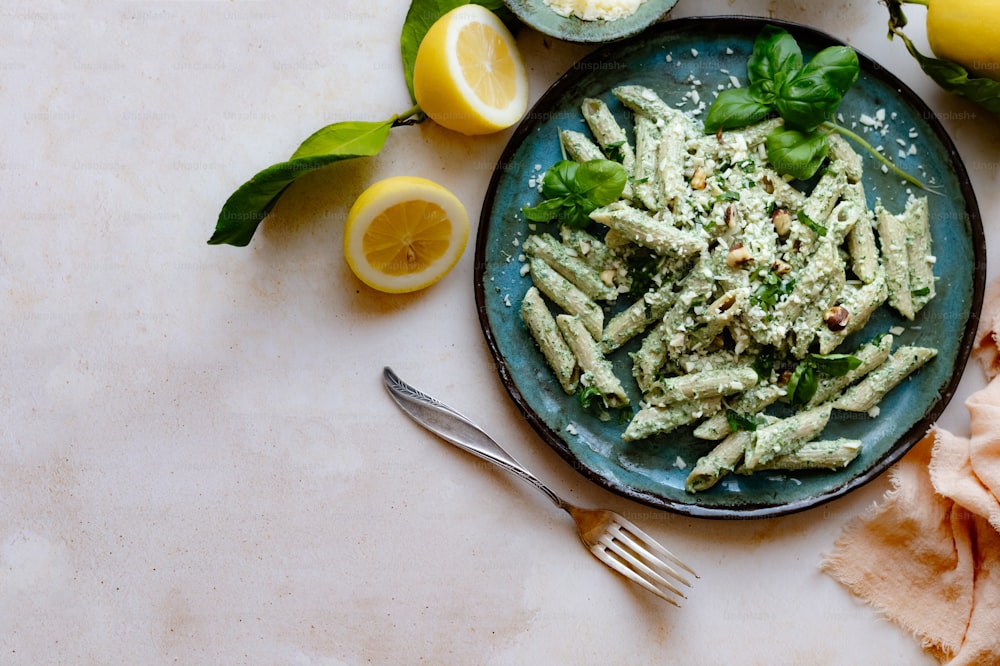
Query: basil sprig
point(806, 97)
point(573, 190)
point(803, 383)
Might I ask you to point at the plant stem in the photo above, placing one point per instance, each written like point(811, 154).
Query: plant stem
point(411, 116)
point(834, 127)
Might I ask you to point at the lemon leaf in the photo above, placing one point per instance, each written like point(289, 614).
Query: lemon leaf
point(952, 76)
point(355, 138)
point(249, 205)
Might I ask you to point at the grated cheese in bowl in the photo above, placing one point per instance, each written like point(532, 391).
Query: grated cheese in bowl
point(595, 10)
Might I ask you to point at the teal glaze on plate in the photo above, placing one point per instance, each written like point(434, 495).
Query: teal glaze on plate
point(649, 471)
point(538, 15)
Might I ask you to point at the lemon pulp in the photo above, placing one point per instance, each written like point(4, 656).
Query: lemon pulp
point(407, 237)
point(404, 233)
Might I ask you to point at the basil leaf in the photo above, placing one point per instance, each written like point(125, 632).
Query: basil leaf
point(797, 154)
point(802, 385)
point(574, 190)
point(735, 108)
point(586, 396)
point(816, 227)
point(814, 93)
point(560, 179)
point(776, 56)
point(249, 205)
point(547, 210)
point(835, 365)
point(739, 421)
point(422, 15)
point(601, 181)
point(764, 364)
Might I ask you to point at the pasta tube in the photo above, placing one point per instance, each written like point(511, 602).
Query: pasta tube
point(565, 294)
point(656, 233)
point(862, 397)
point(786, 435)
point(542, 326)
point(718, 462)
point(654, 420)
point(895, 260)
point(817, 454)
point(571, 267)
point(596, 368)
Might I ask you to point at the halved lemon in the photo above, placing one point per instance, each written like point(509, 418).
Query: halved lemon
point(405, 233)
point(469, 75)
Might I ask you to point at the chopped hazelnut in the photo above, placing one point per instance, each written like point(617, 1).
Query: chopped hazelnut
point(608, 277)
point(738, 255)
point(782, 221)
point(780, 267)
point(731, 215)
point(836, 318)
point(698, 179)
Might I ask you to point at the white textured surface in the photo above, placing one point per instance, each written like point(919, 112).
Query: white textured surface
point(198, 462)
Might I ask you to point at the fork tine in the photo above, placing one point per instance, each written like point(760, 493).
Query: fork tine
point(644, 557)
point(642, 560)
point(625, 571)
point(654, 545)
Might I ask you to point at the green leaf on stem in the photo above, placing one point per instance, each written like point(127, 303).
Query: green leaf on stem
point(247, 207)
point(955, 78)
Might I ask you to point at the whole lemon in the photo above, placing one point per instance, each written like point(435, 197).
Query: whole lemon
point(966, 32)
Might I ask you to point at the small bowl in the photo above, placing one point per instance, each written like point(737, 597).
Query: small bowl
point(541, 17)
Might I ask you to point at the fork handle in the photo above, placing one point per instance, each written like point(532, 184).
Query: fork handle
point(453, 427)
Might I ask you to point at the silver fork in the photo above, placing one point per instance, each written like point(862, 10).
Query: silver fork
point(609, 536)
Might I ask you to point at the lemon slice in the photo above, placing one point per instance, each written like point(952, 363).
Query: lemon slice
point(469, 75)
point(405, 233)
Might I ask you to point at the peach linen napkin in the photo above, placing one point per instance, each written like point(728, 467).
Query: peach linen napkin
point(928, 556)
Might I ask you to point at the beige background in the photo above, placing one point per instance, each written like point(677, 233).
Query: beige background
point(198, 464)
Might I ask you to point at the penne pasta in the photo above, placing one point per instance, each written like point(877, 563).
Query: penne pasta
point(865, 395)
point(654, 420)
point(656, 233)
point(595, 369)
point(895, 261)
point(542, 326)
point(718, 462)
point(564, 293)
point(573, 268)
point(786, 436)
point(745, 286)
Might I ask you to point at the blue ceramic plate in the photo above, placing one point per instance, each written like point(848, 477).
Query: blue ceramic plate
point(540, 16)
point(670, 59)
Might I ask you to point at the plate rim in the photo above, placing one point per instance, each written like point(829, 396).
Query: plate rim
point(748, 511)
